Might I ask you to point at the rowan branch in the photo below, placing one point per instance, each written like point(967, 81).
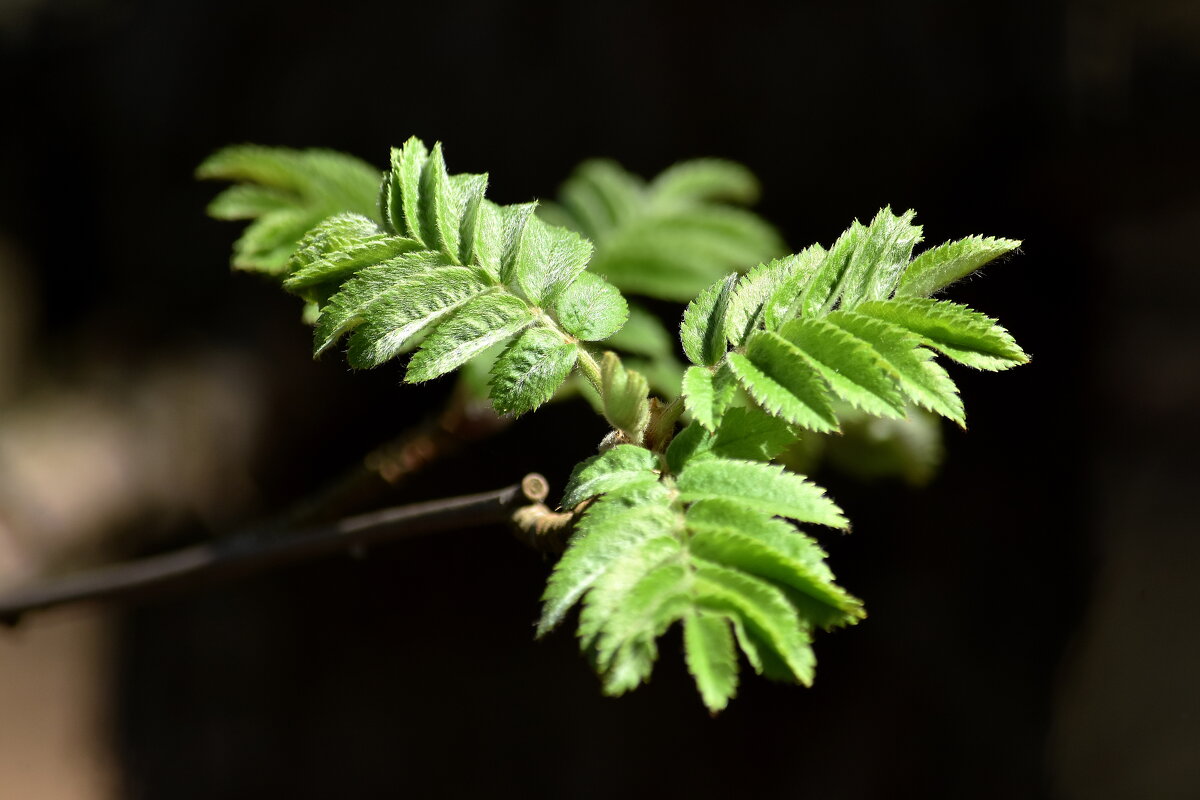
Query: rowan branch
point(255, 551)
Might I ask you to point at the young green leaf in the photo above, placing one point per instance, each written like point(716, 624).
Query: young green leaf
point(880, 258)
point(707, 394)
point(481, 232)
point(675, 256)
point(440, 211)
point(737, 536)
point(940, 266)
point(691, 442)
point(530, 370)
point(404, 195)
point(626, 649)
point(750, 295)
point(763, 609)
point(703, 328)
point(764, 486)
point(591, 308)
point(964, 335)
point(599, 617)
point(921, 378)
point(784, 382)
point(705, 179)
point(472, 238)
point(784, 303)
point(822, 291)
point(546, 260)
point(671, 239)
point(708, 646)
point(600, 196)
point(849, 365)
point(625, 395)
point(751, 434)
point(610, 528)
point(398, 298)
point(285, 192)
point(613, 469)
point(476, 326)
point(337, 248)
point(246, 201)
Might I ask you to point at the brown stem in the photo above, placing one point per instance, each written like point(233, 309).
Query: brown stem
point(258, 551)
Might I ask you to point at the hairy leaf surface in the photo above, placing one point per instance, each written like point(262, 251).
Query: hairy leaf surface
point(752, 435)
point(964, 335)
point(707, 393)
point(703, 328)
point(530, 370)
point(763, 486)
point(708, 645)
point(850, 366)
point(613, 469)
point(784, 382)
point(591, 308)
point(477, 325)
point(625, 395)
point(399, 297)
point(920, 378)
point(940, 266)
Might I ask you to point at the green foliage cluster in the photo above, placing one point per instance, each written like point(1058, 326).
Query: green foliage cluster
point(695, 525)
point(670, 237)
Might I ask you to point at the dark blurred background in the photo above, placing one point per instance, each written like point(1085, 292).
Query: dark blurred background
point(1033, 611)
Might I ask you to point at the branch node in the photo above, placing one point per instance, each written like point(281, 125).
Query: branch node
point(538, 527)
point(535, 487)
